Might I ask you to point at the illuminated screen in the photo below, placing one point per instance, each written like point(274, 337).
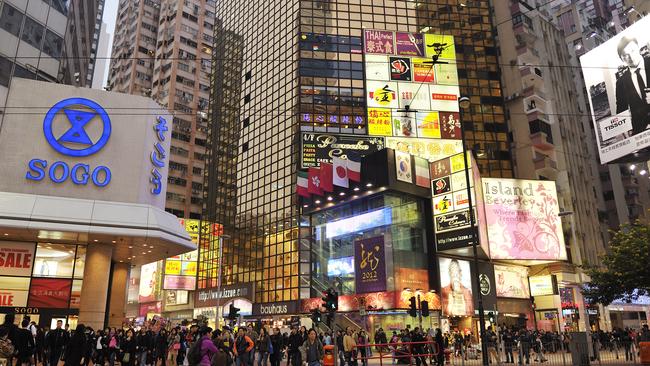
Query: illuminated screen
point(361, 222)
point(340, 266)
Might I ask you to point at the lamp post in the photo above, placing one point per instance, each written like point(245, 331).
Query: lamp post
point(464, 103)
point(219, 310)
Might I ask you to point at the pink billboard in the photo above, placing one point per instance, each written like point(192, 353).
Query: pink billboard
point(522, 219)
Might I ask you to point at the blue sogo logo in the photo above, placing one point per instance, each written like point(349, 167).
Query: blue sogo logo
point(74, 142)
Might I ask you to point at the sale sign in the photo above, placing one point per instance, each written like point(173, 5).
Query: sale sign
point(50, 293)
point(16, 258)
point(10, 298)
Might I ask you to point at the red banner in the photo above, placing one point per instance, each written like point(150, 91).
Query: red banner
point(49, 293)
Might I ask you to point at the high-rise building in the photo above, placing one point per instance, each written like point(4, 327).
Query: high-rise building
point(165, 51)
point(51, 40)
point(82, 41)
point(292, 67)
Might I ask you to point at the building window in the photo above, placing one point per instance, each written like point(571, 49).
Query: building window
point(53, 44)
point(11, 19)
point(5, 71)
point(61, 6)
point(56, 260)
point(33, 33)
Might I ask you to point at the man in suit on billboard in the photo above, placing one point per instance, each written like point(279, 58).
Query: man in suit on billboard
point(632, 91)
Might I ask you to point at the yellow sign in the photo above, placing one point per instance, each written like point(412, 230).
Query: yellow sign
point(441, 45)
point(172, 267)
point(384, 95)
point(457, 162)
point(379, 122)
point(428, 124)
point(189, 269)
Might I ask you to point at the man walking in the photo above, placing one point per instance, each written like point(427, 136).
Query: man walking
point(312, 349)
point(54, 342)
point(243, 347)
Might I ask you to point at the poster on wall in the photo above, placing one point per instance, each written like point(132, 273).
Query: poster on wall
point(14, 291)
point(403, 167)
point(413, 278)
point(543, 285)
point(172, 282)
point(512, 281)
point(616, 76)
point(487, 286)
point(16, 258)
point(429, 149)
point(150, 275)
point(49, 293)
point(370, 265)
point(523, 219)
point(456, 287)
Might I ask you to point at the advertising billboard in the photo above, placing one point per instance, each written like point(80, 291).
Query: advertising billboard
point(322, 147)
point(49, 293)
point(451, 211)
point(512, 281)
point(429, 149)
point(407, 95)
point(543, 285)
point(616, 75)
point(456, 287)
point(150, 276)
point(370, 265)
point(180, 271)
point(16, 258)
point(522, 219)
point(14, 291)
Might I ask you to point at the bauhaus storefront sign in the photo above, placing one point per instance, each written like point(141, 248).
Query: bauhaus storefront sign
point(275, 308)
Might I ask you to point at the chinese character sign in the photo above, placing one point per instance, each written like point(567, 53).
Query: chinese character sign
point(370, 265)
point(158, 155)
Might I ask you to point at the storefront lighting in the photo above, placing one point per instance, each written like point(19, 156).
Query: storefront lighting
point(329, 198)
point(305, 206)
point(144, 252)
point(342, 194)
point(632, 167)
point(148, 251)
point(130, 246)
point(369, 185)
point(643, 172)
point(113, 241)
point(355, 196)
point(95, 240)
point(317, 202)
point(407, 289)
point(6, 234)
point(356, 189)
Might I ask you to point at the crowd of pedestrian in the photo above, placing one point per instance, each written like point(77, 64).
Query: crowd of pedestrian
point(157, 344)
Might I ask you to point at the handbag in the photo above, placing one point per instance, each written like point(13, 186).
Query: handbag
point(176, 346)
point(126, 358)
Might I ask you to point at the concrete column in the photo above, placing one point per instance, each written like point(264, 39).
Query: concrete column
point(94, 292)
point(117, 302)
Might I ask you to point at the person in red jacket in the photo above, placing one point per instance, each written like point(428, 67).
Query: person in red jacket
point(243, 347)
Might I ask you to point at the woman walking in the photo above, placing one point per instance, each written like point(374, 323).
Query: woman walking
point(174, 344)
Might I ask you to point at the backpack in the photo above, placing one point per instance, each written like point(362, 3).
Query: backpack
point(6, 347)
point(194, 354)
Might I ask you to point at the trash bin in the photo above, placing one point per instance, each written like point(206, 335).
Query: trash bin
point(644, 353)
point(328, 359)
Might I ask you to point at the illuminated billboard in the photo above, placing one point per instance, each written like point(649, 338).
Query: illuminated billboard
point(616, 75)
point(407, 95)
point(456, 287)
point(522, 219)
point(180, 271)
point(150, 278)
point(361, 222)
point(512, 281)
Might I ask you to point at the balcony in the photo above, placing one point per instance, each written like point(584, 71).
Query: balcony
point(522, 26)
point(531, 76)
point(545, 165)
point(541, 135)
point(527, 55)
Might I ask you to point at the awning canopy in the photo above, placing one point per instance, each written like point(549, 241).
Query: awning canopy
point(139, 233)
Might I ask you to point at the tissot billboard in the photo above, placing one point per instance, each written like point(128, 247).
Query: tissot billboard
point(61, 140)
point(616, 75)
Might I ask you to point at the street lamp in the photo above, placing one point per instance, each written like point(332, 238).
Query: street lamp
point(219, 310)
point(464, 103)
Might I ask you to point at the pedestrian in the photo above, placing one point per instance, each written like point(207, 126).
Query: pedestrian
point(440, 345)
point(278, 346)
point(295, 341)
point(161, 347)
point(243, 347)
point(56, 339)
point(263, 347)
point(349, 347)
point(8, 333)
point(24, 345)
point(128, 347)
point(173, 346)
point(312, 350)
point(75, 350)
point(491, 340)
point(418, 346)
point(508, 343)
point(113, 346)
